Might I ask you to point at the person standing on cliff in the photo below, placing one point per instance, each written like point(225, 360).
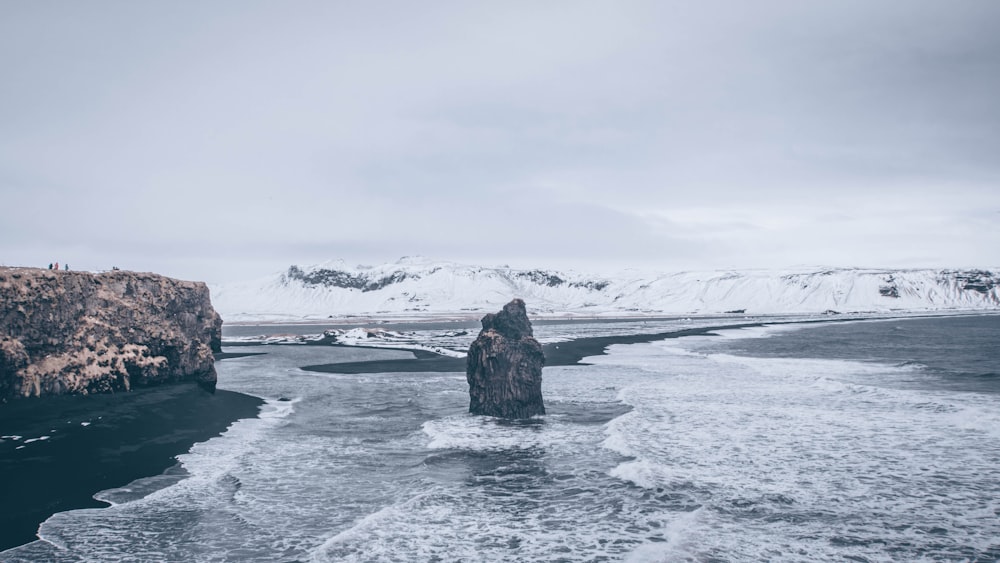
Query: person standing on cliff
point(50, 265)
point(57, 265)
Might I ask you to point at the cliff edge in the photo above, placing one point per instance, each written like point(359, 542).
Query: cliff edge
point(79, 333)
point(504, 366)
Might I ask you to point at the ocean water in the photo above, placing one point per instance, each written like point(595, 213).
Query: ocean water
point(860, 441)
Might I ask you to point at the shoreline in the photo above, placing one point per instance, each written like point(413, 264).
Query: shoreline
point(568, 353)
point(568, 318)
point(71, 447)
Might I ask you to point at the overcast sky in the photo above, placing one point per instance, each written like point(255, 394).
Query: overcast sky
point(226, 140)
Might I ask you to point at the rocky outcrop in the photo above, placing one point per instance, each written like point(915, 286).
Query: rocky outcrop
point(504, 366)
point(79, 333)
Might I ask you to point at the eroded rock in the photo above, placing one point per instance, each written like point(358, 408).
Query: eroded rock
point(504, 366)
point(78, 333)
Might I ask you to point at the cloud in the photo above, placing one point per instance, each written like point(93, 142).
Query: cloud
point(659, 133)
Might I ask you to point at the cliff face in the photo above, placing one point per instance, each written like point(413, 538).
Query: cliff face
point(77, 332)
point(504, 366)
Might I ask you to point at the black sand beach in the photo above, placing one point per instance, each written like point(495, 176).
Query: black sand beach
point(99, 442)
point(422, 362)
point(556, 354)
point(230, 355)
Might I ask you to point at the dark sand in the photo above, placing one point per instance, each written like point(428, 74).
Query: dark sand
point(558, 354)
point(422, 362)
point(230, 355)
point(130, 435)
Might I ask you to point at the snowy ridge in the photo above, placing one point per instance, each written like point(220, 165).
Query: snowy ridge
point(367, 337)
point(417, 287)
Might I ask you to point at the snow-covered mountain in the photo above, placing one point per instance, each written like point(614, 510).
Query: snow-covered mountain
point(417, 287)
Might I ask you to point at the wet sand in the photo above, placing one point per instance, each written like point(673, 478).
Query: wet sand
point(557, 354)
point(230, 355)
point(99, 442)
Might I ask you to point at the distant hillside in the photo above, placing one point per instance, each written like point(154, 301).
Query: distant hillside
point(420, 287)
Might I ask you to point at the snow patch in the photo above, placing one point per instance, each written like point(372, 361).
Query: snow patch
point(418, 288)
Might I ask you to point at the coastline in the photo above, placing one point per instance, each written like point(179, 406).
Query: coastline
point(69, 448)
point(473, 318)
point(100, 442)
point(569, 353)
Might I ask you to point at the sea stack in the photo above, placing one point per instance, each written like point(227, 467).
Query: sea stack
point(504, 366)
point(80, 333)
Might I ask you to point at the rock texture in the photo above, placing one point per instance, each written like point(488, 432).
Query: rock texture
point(504, 366)
point(78, 333)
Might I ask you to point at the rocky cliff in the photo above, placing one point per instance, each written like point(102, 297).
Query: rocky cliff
point(79, 333)
point(504, 366)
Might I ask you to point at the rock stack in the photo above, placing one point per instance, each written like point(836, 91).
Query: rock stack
point(504, 366)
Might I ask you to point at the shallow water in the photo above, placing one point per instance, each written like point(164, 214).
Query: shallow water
point(681, 450)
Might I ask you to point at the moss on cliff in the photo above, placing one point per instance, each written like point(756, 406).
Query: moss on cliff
point(80, 333)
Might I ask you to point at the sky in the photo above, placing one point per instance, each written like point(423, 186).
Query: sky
point(222, 141)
